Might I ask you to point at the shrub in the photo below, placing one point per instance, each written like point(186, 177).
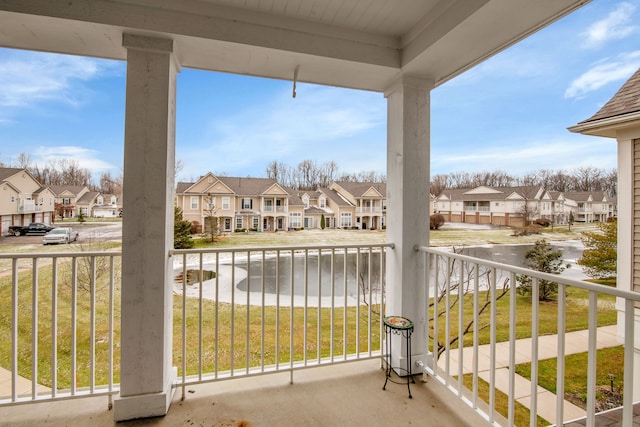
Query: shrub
point(436, 221)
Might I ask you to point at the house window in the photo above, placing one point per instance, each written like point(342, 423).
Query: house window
point(247, 203)
point(227, 224)
point(268, 205)
point(13, 199)
point(308, 222)
point(305, 201)
point(256, 222)
point(497, 204)
point(239, 222)
point(194, 202)
point(225, 203)
point(295, 219)
point(323, 202)
point(66, 201)
point(345, 219)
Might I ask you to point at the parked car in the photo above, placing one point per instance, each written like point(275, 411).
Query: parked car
point(60, 235)
point(33, 228)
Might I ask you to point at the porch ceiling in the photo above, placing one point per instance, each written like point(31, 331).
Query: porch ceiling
point(359, 44)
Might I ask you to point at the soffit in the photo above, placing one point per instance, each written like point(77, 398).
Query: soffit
point(362, 44)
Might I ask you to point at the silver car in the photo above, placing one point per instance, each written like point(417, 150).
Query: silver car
point(60, 235)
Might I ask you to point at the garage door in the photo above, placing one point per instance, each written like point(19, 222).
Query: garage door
point(6, 222)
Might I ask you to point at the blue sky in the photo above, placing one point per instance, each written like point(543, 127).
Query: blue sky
point(509, 113)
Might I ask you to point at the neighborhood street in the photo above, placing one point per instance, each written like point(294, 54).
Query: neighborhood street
point(88, 232)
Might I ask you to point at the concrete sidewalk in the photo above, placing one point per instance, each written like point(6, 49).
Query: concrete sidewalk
point(575, 342)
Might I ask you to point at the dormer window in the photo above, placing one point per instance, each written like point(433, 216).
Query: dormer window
point(305, 201)
point(322, 202)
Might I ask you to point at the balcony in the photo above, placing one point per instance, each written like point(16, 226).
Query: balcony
point(369, 210)
point(303, 326)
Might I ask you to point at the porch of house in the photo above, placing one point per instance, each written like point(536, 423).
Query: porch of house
point(339, 395)
point(402, 53)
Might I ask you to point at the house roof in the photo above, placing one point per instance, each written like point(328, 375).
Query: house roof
point(87, 198)
point(335, 197)
point(620, 112)
point(241, 186)
point(73, 189)
point(358, 189)
point(491, 193)
point(583, 196)
point(625, 101)
point(8, 172)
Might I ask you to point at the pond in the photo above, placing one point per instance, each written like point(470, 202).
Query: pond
point(331, 279)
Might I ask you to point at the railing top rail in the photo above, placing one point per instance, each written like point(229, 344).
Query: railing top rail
point(635, 296)
point(279, 248)
point(74, 254)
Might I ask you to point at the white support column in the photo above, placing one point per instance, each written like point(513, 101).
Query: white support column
point(146, 373)
point(408, 140)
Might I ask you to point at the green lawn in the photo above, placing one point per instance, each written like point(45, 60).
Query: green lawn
point(608, 361)
point(576, 316)
point(522, 414)
point(213, 356)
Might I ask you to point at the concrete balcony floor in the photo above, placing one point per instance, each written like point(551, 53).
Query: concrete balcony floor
point(341, 395)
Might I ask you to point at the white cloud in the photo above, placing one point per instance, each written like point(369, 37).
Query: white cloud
point(86, 157)
point(27, 78)
point(559, 153)
point(604, 73)
point(614, 27)
point(322, 123)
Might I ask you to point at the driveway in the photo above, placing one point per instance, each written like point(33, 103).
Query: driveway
point(87, 232)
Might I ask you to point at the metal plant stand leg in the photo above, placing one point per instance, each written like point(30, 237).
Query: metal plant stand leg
point(396, 325)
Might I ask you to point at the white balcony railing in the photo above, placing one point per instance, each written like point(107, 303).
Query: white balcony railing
point(369, 210)
point(62, 312)
point(280, 309)
point(322, 304)
point(450, 275)
point(60, 336)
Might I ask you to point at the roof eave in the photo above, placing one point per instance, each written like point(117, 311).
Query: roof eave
point(607, 127)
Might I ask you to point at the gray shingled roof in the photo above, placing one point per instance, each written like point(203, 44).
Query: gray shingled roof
point(459, 193)
point(87, 197)
point(73, 189)
point(7, 172)
point(359, 188)
point(335, 197)
point(625, 101)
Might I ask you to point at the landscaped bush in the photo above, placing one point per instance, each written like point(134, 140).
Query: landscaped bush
point(436, 221)
point(545, 222)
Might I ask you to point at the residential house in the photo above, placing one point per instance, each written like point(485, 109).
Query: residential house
point(588, 206)
point(23, 200)
point(67, 198)
point(369, 199)
point(316, 209)
point(107, 206)
point(509, 206)
point(239, 203)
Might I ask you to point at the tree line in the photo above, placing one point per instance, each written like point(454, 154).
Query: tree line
point(67, 172)
point(586, 178)
point(311, 175)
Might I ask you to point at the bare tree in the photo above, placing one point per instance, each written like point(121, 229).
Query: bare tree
point(461, 284)
point(212, 225)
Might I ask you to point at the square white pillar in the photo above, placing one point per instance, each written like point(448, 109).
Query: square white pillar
point(146, 372)
point(408, 139)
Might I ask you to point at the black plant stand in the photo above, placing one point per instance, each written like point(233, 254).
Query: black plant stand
point(396, 325)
